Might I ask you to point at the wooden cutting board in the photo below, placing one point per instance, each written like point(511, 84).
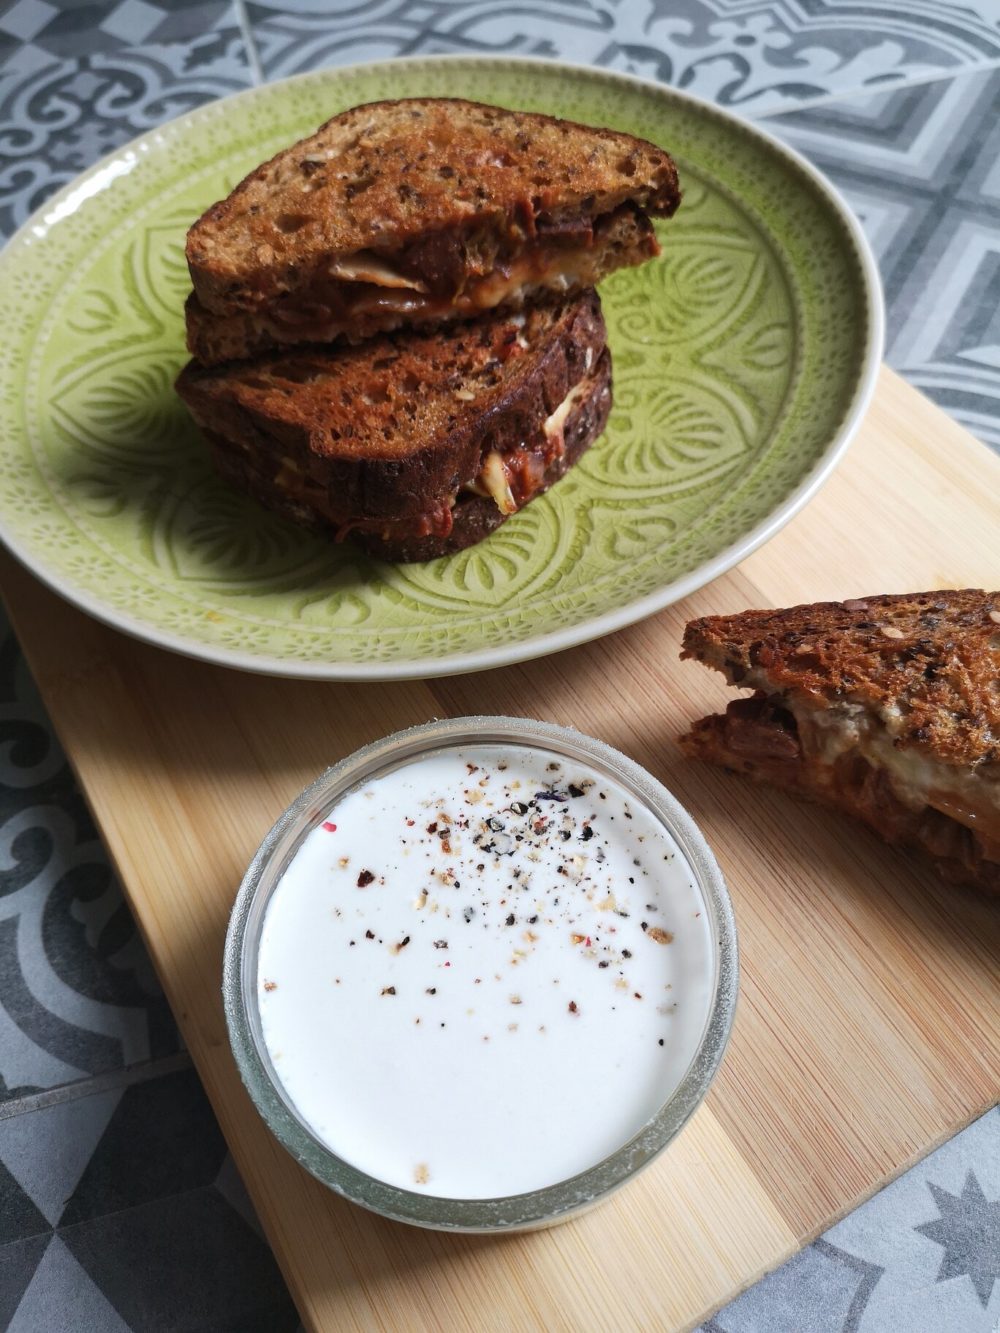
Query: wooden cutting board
point(867, 1026)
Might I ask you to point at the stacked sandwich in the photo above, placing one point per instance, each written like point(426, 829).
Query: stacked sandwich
point(394, 323)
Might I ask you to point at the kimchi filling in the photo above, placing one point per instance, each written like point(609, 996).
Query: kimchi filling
point(951, 812)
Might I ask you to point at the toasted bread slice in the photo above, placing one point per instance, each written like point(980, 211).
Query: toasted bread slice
point(408, 444)
point(887, 707)
point(361, 309)
point(421, 202)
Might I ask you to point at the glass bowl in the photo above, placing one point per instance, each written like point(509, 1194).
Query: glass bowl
point(541, 1207)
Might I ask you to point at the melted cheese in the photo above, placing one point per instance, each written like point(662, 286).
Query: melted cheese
point(555, 425)
point(917, 779)
point(390, 294)
point(366, 266)
point(493, 479)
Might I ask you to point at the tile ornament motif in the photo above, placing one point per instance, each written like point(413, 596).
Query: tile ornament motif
point(758, 57)
point(922, 1255)
point(64, 105)
point(919, 167)
point(968, 1231)
point(78, 996)
point(120, 1209)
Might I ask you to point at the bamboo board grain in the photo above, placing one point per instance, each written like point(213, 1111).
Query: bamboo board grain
point(866, 1030)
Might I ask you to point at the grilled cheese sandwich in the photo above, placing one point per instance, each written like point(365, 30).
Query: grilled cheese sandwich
point(883, 706)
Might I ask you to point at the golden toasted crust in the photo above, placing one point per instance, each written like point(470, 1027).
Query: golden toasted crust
point(382, 176)
point(396, 422)
point(622, 240)
point(476, 517)
point(928, 664)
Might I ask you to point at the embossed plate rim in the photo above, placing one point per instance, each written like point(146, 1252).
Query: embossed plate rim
point(101, 177)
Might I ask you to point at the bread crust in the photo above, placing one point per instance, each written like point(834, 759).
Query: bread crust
point(384, 175)
point(626, 240)
point(933, 658)
point(326, 411)
point(886, 707)
point(476, 517)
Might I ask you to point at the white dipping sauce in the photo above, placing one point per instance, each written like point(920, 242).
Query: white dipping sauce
point(472, 989)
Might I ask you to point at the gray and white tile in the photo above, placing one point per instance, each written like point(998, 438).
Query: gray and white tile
point(77, 88)
point(69, 29)
point(120, 1209)
point(919, 165)
point(754, 55)
point(78, 996)
point(922, 1255)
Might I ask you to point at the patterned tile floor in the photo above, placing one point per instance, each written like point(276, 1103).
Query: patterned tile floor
point(119, 1207)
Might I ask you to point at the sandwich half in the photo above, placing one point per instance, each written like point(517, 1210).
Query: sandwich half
point(887, 707)
point(416, 212)
point(414, 445)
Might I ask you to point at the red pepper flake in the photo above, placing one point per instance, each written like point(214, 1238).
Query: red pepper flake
point(410, 823)
point(330, 828)
point(270, 985)
point(365, 878)
point(447, 964)
point(369, 934)
point(432, 828)
point(637, 995)
point(572, 1007)
point(588, 942)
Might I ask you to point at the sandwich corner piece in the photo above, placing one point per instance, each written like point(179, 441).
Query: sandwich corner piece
point(394, 328)
point(884, 707)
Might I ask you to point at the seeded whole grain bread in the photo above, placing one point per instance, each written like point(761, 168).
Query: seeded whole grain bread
point(474, 517)
point(887, 707)
point(376, 441)
point(435, 183)
point(623, 240)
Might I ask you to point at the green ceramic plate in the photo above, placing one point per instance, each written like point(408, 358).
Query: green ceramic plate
point(743, 361)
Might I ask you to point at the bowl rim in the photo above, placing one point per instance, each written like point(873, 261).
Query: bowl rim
point(552, 1203)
